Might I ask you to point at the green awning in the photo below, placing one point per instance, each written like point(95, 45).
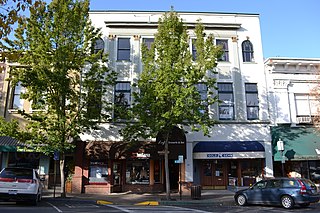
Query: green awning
point(300, 143)
point(8, 144)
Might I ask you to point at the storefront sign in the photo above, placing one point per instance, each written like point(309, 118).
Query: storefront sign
point(227, 155)
point(140, 155)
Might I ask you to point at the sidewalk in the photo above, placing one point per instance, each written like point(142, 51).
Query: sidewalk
point(216, 197)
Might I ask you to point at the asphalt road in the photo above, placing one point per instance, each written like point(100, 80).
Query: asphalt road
point(59, 206)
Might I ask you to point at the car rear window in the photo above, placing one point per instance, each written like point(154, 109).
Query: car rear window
point(17, 173)
point(308, 183)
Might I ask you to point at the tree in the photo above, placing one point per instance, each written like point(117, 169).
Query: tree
point(63, 74)
point(167, 93)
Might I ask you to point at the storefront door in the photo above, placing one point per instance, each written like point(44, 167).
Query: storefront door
point(117, 177)
point(213, 174)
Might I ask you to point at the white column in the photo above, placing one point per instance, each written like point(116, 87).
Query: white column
point(269, 163)
point(189, 162)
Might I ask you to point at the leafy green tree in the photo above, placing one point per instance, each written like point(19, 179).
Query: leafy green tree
point(63, 74)
point(167, 93)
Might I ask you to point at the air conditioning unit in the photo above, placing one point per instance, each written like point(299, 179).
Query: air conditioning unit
point(304, 119)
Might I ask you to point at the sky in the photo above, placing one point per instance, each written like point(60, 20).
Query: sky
point(289, 28)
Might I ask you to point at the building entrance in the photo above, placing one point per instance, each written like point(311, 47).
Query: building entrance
point(213, 174)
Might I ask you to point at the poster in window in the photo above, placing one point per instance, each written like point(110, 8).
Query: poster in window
point(225, 112)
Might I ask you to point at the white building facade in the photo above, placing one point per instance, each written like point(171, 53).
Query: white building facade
point(239, 148)
point(294, 103)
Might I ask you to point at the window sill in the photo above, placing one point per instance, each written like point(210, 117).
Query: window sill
point(13, 111)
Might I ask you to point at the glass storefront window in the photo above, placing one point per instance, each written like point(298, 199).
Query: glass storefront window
point(137, 172)
point(98, 172)
point(250, 170)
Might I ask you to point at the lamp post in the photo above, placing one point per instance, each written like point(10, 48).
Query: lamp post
point(280, 146)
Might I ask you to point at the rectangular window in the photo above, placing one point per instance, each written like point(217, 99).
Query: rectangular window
point(203, 90)
point(98, 172)
point(123, 49)
point(226, 107)
point(224, 44)
point(193, 49)
point(306, 105)
point(17, 102)
point(148, 42)
point(252, 101)
point(122, 99)
point(137, 172)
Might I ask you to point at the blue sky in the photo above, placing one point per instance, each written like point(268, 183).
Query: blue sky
point(289, 28)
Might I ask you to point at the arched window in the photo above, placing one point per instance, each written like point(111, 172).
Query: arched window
point(247, 51)
point(98, 45)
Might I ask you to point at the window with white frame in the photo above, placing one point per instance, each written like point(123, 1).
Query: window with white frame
point(17, 102)
point(122, 99)
point(306, 105)
point(193, 49)
point(226, 105)
point(148, 42)
point(225, 49)
point(98, 45)
point(247, 51)
point(252, 101)
point(123, 52)
point(203, 91)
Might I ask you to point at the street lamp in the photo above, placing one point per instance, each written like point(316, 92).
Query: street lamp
point(280, 146)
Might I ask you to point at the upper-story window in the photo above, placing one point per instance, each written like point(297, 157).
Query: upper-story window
point(17, 102)
point(224, 45)
point(122, 99)
point(252, 101)
point(98, 45)
point(203, 91)
point(148, 42)
point(193, 49)
point(226, 105)
point(247, 51)
point(306, 105)
point(123, 49)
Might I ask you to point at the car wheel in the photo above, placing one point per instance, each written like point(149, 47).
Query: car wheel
point(287, 202)
point(241, 200)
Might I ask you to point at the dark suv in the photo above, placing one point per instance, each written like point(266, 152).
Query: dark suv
point(279, 191)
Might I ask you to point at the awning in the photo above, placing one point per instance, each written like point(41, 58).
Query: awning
point(8, 144)
point(300, 143)
point(228, 150)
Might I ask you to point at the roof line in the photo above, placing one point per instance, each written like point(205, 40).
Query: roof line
point(163, 11)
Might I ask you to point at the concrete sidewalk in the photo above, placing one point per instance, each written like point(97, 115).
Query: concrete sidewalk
point(216, 197)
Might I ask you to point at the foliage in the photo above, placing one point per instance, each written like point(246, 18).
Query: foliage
point(166, 92)
point(63, 77)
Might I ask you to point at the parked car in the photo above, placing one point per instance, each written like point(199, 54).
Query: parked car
point(279, 191)
point(20, 184)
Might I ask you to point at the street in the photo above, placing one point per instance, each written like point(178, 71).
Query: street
point(56, 205)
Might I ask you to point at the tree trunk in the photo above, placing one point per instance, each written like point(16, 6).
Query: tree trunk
point(166, 168)
point(62, 178)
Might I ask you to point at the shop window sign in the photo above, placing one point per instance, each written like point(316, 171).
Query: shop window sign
point(98, 172)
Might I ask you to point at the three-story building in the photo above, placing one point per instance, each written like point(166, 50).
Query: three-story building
point(239, 148)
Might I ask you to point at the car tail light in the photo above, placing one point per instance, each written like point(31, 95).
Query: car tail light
point(7, 179)
point(26, 181)
point(303, 189)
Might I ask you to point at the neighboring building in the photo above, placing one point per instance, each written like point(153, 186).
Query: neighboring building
point(12, 152)
point(239, 149)
point(293, 106)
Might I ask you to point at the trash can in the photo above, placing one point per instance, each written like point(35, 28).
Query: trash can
point(196, 192)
